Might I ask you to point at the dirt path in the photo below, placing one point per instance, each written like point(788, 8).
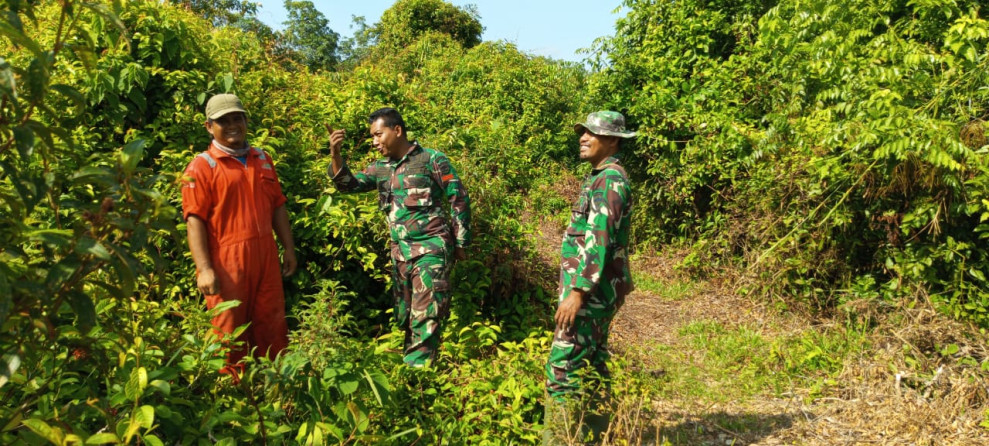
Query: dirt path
point(894, 389)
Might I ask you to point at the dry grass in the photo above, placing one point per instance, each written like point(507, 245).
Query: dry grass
point(903, 390)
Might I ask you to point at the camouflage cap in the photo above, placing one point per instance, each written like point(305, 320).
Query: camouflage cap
point(604, 122)
point(222, 104)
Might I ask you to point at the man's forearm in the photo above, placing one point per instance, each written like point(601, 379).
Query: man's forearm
point(199, 243)
point(283, 230)
point(336, 164)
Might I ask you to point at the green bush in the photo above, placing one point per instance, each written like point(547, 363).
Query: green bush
point(812, 143)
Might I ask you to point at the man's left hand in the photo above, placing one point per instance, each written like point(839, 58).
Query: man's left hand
point(459, 253)
point(289, 263)
point(567, 313)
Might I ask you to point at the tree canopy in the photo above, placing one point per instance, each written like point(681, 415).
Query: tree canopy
point(406, 20)
point(308, 34)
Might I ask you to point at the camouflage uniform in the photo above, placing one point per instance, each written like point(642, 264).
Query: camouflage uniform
point(595, 259)
point(411, 191)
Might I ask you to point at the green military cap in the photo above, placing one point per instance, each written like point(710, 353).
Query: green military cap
point(604, 122)
point(222, 104)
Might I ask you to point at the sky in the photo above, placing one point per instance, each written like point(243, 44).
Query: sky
point(552, 28)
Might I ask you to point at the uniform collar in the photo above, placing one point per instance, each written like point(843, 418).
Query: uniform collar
point(412, 151)
point(610, 160)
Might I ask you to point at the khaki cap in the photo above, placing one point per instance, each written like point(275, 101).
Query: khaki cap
point(222, 104)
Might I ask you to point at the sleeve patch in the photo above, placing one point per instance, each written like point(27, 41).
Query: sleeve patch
point(447, 177)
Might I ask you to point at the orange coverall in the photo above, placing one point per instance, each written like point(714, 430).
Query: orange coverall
point(237, 202)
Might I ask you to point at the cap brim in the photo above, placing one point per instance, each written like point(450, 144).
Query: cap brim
point(226, 111)
point(580, 128)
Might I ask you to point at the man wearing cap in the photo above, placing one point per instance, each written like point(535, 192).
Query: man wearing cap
point(413, 183)
point(232, 202)
point(594, 276)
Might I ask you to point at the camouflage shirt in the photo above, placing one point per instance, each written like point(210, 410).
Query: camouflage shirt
point(411, 192)
point(595, 245)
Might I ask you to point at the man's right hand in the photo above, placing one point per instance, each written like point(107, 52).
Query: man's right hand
point(207, 282)
point(336, 139)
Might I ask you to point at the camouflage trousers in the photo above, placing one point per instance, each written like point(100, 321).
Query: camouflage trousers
point(422, 302)
point(584, 344)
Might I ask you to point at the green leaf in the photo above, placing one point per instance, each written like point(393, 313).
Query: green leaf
point(224, 306)
point(41, 131)
point(162, 386)
point(85, 311)
point(14, 422)
point(349, 384)
point(327, 205)
point(145, 415)
point(136, 384)
point(131, 154)
point(24, 138)
point(60, 273)
point(55, 237)
point(8, 82)
point(88, 245)
point(228, 82)
point(153, 440)
point(103, 438)
point(8, 366)
point(94, 174)
point(125, 269)
point(977, 274)
point(52, 434)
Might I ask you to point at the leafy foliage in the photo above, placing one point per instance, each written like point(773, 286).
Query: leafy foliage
point(406, 20)
point(835, 151)
point(814, 143)
point(221, 12)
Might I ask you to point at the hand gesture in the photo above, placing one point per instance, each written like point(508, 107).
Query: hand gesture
point(336, 139)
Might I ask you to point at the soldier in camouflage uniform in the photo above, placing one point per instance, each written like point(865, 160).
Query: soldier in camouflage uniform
point(594, 276)
point(412, 184)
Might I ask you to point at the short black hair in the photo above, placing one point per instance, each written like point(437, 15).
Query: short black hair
point(390, 116)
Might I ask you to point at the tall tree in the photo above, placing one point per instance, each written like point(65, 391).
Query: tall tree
point(353, 49)
point(308, 34)
point(406, 20)
point(221, 12)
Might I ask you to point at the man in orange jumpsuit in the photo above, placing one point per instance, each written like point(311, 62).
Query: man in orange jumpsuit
point(231, 202)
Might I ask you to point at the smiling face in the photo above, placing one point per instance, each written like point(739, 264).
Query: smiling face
point(229, 130)
point(597, 148)
point(390, 141)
